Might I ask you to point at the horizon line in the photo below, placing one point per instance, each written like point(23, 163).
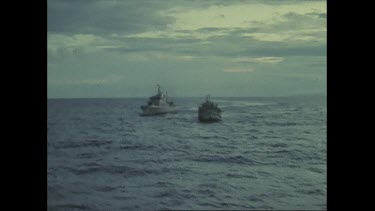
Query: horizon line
point(141, 97)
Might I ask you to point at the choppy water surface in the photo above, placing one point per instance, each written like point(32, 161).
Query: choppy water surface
point(267, 153)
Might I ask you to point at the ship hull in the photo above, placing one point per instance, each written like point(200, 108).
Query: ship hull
point(209, 117)
point(156, 110)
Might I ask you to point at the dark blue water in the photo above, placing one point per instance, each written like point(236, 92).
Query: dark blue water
point(267, 153)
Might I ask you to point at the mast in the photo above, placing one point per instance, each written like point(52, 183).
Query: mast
point(158, 88)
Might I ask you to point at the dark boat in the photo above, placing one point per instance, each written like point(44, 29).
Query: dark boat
point(209, 111)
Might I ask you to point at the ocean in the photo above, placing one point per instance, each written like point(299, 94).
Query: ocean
point(266, 153)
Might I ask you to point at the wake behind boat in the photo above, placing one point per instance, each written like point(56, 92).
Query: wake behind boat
point(158, 104)
point(209, 111)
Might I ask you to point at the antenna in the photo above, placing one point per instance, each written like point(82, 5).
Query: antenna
point(158, 88)
point(208, 97)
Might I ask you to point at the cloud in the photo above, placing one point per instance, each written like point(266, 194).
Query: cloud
point(157, 56)
point(104, 16)
point(174, 41)
point(239, 15)
point(264, 60)
point(297, 35)
point(238, 70)
point(179, 34)
point(193, 28)
point(110, 79)
point(130, 17)
point(62, 45)
point(312, 50)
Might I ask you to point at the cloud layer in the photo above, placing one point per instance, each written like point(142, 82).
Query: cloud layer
point(123, 45)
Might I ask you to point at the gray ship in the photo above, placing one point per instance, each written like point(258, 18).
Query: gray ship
point(209, 111)
point(158, 104)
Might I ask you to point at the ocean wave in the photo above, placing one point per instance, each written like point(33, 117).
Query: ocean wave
point(137, 147)
point(175, 194)
point(317, 170)
point(256, 158)
point(78, 144)
point(125, 171)
point(281, 124)
point(257, 197)
point(279, 145)
point(164, 184)
point(70, 206)
point(226, 159)
point(210, 185)
point(321, 191)
point(106, 189)
point(234, 175)
point(242, 103)
point(87, 155)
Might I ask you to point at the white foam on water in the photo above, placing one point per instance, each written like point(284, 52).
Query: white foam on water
point(240, 104)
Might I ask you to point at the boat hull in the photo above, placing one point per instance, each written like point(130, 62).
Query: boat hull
point(156, 110)
point(209, 117)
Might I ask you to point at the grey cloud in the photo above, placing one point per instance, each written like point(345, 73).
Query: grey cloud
point(104, 16)
point(122, 16)
point(209, 29)
point(320, 15)
point(285, 50)
point(293, 15)
point(164, 55)
point(234, 45)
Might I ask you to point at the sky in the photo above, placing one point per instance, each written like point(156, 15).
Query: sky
point(226, 48)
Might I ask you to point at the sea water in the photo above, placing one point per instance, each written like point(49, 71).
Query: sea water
point(266, 153)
